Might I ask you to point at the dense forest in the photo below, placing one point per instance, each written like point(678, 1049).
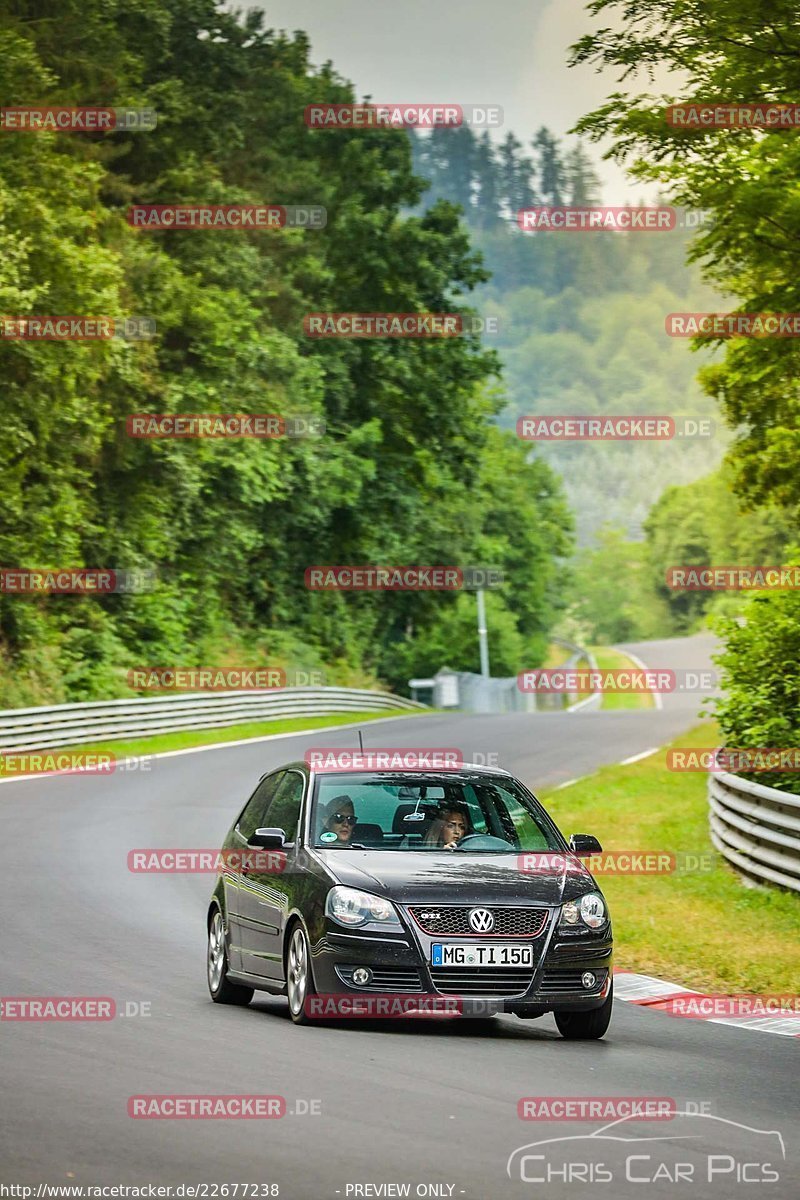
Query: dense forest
point(419, 462)
point(412, 468)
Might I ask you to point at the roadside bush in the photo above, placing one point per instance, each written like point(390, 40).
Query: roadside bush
point(761, 680)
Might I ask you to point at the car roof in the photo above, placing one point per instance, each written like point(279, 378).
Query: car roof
point(464, 769)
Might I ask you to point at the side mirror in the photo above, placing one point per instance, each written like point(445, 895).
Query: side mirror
point(583, 844)
point(268, 839)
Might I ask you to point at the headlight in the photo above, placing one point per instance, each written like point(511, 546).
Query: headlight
point(349, 906)
point(593, 910)
point(589, 910)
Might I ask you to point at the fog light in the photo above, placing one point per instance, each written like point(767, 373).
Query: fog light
point(588, 979)
point(361, 976)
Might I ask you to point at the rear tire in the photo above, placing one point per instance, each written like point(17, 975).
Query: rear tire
point(585, 1026)
point(221, 989)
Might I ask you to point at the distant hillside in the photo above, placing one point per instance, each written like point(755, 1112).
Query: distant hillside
point(581, 319)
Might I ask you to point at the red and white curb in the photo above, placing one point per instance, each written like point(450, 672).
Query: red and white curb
point(650, 992)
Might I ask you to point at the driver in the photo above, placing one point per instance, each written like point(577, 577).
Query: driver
point(448, 830)
point(340, 818)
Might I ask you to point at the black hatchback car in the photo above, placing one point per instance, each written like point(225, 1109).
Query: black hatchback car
point(420, 884)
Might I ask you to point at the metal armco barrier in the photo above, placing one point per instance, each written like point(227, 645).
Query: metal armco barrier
point(757, 828)
point(104, 720)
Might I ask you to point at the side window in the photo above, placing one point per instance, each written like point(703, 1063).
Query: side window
point(252, 817)
point(284, 811)
point(477, 818)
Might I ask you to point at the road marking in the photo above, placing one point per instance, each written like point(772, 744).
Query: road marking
point(637, 662)
point(626, 762)
point(569, 782)
point(267, 737)
point(649, 991)
point(595, 698)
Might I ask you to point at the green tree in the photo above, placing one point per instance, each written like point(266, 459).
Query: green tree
point(582, 181)
point(229, 526)
point(550, 167)
point(744, 181)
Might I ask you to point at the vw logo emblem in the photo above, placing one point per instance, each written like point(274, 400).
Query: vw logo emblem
point(481, 920)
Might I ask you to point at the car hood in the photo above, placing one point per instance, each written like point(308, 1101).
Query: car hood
point(451, 877)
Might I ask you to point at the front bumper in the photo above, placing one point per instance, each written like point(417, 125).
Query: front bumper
point(400, 964)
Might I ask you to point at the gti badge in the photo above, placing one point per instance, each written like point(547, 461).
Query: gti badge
point(481, 920)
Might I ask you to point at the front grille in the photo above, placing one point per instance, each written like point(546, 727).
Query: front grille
point(385, 979)
point(441, 920)
point(481, 981)
point(562, 979)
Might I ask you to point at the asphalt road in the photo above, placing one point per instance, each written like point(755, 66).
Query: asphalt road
point(418, 1103)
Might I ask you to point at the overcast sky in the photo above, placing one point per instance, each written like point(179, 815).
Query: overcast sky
point(507, 52)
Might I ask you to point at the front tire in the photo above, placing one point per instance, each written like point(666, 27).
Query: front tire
point(299, 982)
point(585, 1026)
point(221, 989)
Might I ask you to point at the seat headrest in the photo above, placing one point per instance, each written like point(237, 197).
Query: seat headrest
point(367, 833)
point(400, 825)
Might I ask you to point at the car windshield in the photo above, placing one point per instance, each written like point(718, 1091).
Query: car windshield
point(479, 813)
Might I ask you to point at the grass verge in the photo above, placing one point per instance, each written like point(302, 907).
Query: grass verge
point(186, 738)
point(705, 929)
point(556, 655)
point(608, 660)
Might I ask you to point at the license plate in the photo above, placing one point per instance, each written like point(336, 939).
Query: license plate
point(501, 954)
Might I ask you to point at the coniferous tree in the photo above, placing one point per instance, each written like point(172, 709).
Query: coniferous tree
point(550, 167)
point(487, 180)
point(582, 182)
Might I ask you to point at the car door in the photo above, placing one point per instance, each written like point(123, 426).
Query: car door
point(267, 894)
point(240, 902)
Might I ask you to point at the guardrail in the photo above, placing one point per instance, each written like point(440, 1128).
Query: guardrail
point(593, 701)
point(105, 720)
point(757, 828)
point(468, 692)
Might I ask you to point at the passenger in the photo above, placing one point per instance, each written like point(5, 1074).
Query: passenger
point(451, 826)
point(340, 818)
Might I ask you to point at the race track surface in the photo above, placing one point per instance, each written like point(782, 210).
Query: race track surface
point(412, 1102)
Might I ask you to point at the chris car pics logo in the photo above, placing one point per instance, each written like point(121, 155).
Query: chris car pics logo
point(698, 1149)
